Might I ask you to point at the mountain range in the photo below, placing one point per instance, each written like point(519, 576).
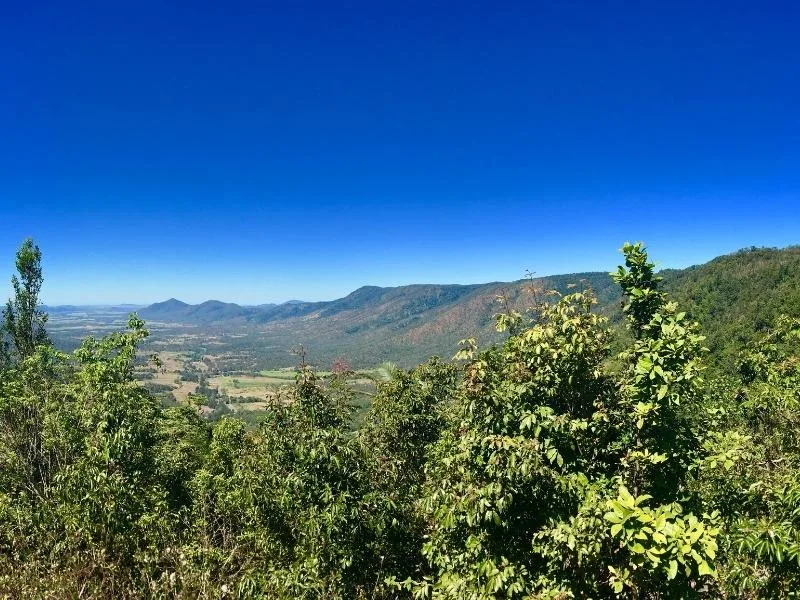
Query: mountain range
point(733, 297)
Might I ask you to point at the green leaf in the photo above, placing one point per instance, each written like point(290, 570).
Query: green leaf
point(673, 569)
point(704, 569)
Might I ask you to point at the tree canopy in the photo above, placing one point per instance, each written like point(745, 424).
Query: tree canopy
point(23, 320)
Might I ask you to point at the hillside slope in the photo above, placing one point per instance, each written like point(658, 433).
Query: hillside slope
point(403, 324)
point(737, 296)
point(733, 297)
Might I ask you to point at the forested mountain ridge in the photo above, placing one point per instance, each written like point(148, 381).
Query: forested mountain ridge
point(389, 303)
point(364, 298)
point(736, 297)
point(733, 297)
point(405, 324)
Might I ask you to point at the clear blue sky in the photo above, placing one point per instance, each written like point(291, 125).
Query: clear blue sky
point(267, 151)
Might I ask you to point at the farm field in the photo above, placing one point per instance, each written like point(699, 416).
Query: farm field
point(193, 377)
point(239, 386)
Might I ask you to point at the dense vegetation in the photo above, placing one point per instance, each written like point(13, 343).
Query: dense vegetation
point(545, 466)
point(736, 298)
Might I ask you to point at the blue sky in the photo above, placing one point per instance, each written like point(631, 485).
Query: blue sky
point(257, 152)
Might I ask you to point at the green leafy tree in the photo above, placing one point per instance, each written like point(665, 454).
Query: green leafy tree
point(561, 476)
point(291, 512)
point(661, 385)
point(407, 416)
point(83, 498)
point(516, 455)
point(23, 320)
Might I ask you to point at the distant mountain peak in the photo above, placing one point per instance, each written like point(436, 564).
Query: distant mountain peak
point(169, 303)
point(215, 303)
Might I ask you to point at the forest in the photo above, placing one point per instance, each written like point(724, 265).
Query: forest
point(580, 456)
